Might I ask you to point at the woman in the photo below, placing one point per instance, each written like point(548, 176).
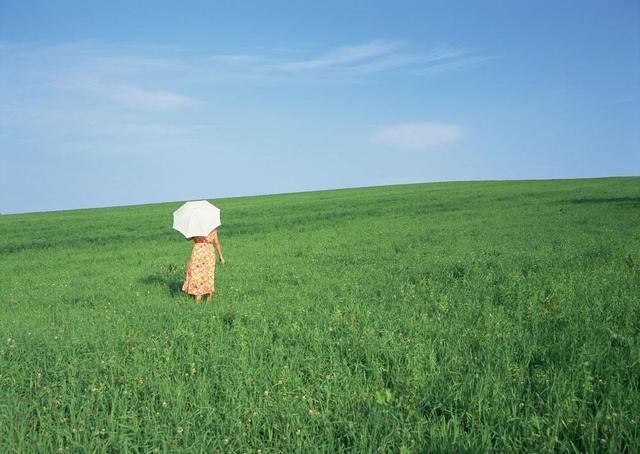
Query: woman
point(199, 279)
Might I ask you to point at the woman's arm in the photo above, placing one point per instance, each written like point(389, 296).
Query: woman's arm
point(216, 244)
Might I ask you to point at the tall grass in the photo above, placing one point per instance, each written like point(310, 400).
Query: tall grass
point(436, 317)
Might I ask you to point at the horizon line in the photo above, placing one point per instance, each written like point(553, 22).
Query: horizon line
point(386, 185)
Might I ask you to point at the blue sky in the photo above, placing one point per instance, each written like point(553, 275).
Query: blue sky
point(127, 102)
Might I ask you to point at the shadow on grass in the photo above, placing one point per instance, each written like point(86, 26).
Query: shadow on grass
point(628, 202)
point(172, 284)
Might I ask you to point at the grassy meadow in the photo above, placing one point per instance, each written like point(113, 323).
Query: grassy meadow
point(467, 316)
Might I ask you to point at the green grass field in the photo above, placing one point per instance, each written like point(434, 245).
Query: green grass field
point(419, 318)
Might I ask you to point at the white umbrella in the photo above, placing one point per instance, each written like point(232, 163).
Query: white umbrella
point(197, 218)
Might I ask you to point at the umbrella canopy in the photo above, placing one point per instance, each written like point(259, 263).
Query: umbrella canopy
point(197, 218)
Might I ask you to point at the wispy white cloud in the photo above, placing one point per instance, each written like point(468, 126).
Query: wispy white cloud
point(89, 93)
point(137, 97)
point(409, 60)
point(418, 136)
point(121, 64)
point(457, 64)
point(353, 60)
point(382, 56)
point(343, 56)
point(127, 95)
point(63, 128)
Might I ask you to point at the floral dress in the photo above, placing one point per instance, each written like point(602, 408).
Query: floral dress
point(199, 278)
